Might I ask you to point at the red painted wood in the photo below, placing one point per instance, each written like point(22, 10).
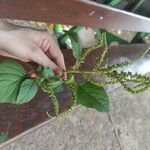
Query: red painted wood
point(74, 12)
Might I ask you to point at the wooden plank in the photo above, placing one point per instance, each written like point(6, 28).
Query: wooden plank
point(74, 12)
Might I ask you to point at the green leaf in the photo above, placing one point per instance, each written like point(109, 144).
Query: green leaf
point(62, 39)
point(112, 2)
point(3, 137)
point(76, 46)
point(43, 74)
point(11, 76)
point(40, 80)
point(70, 80)
point(57, 85)
point(46, 72)
point(12, 67)
point(98, 34)
point(75, 29)
point(72, 34)
point(90, 95)
point(28, 90)
point(110, 37)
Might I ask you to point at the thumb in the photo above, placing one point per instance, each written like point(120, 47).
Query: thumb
point(41, 58)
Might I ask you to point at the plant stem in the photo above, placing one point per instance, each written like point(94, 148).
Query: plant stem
point(81, 72)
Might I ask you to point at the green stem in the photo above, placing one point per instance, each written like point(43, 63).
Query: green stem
point(83, 72)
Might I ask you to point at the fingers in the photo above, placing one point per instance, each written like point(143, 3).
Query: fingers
point(52, 50)
point(40, 57)
point(58, 57)
point(48, 45)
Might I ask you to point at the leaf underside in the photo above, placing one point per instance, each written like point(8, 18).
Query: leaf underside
point(76, 46)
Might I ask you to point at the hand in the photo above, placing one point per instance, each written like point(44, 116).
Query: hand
point(27, 45)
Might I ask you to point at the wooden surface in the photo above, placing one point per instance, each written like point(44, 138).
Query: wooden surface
point(74, 12)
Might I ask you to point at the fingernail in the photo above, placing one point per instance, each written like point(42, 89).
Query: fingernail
point(64, 75)
point(33, 75)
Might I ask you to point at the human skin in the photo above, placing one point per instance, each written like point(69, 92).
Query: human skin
point(27, 44)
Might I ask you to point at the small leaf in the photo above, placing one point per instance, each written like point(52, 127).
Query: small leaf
point(3, 137)
point(28, 90)
point(76, 46)
point(40, 79)
point(57, 85)
point(11, 76)
point(62, 39)
point(110, 37)
point(90, 95)
point(98, 34)
point(46, 72)
point(70, 80)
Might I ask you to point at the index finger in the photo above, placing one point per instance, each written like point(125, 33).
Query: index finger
point(58, 57)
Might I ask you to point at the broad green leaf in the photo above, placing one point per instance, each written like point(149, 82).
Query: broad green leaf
point(3, 137)
point(12, 75)
point(28, 90)
point(76, 46)
point(12, 67)
point(90, 95)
